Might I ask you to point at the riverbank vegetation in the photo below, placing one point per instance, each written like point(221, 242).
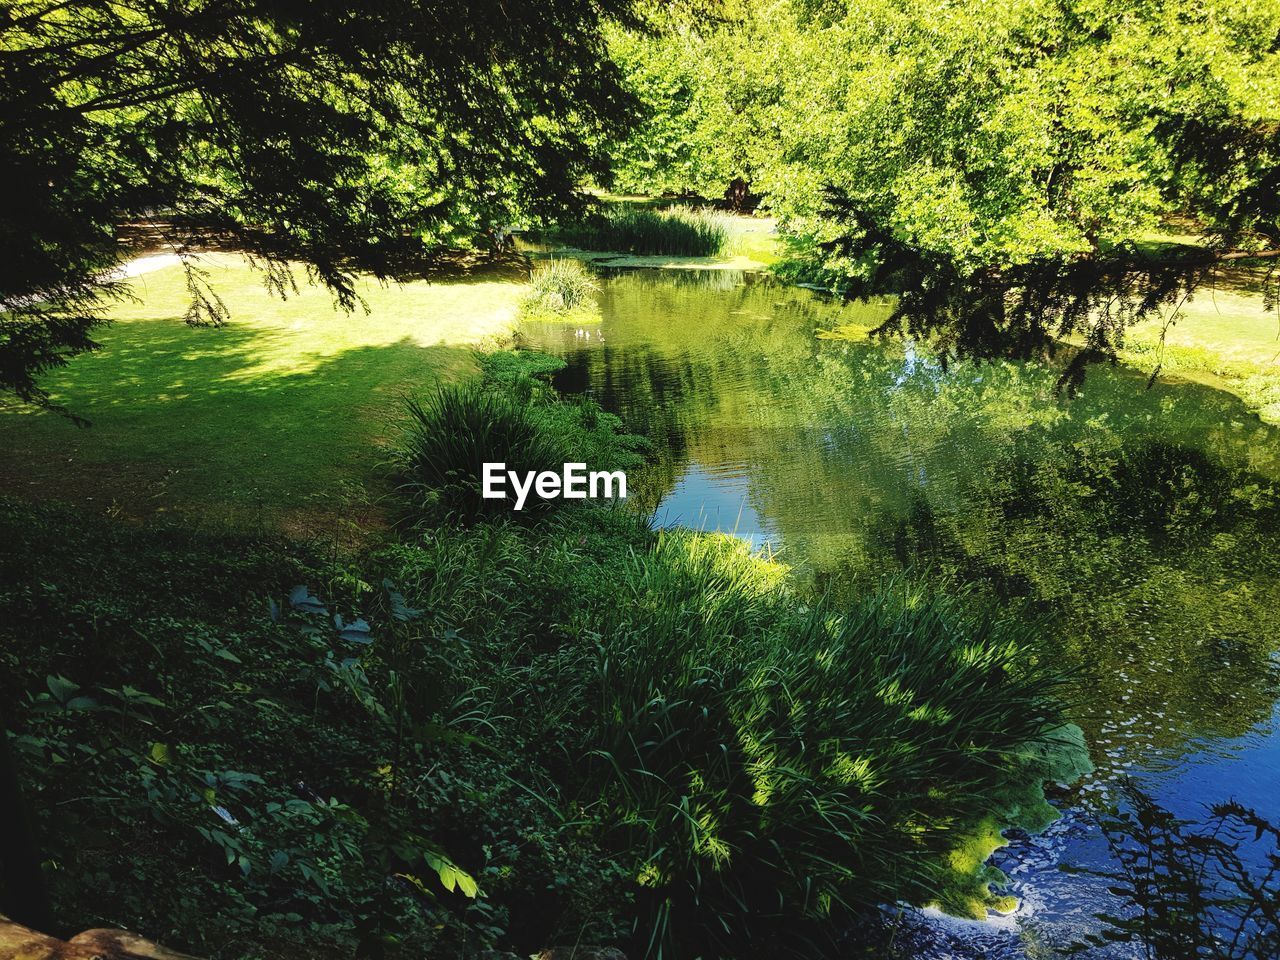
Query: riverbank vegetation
point(568, 730)
point(280, 684)
point(561, 289)
point(675, 231)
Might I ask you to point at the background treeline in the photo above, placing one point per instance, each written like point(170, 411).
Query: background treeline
point(987, 133)
point(1002, 166)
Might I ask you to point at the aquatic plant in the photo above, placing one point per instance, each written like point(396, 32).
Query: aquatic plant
point(776, 767)
point(560, 289)
point(674, 231)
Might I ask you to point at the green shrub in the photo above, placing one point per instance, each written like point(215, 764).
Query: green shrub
point(775, 768)
point(676, 231)
point(560, 289)
point(452, 434)
point(214, 772)
point(512, 415)
point(608, 730)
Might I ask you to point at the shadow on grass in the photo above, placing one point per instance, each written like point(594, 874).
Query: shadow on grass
point(211, 422)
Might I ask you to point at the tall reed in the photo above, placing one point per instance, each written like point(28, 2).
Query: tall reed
point(675, 231)
point(779, 767)
point(559, 287)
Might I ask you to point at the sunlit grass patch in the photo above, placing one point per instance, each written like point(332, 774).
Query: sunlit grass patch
point(1224, 337)
point(271, 414)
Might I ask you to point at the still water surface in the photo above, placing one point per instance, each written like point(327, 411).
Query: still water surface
point(1139, 527)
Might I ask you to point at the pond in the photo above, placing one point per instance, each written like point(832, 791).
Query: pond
point(1137, 527)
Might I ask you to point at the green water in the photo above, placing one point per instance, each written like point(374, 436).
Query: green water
point(1137, 526)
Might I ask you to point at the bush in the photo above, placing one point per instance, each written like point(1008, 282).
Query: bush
point(774, 769)
point(219, 773)
point(676, 231)
point(452, 434)
point(560, 289)
point(614, 734)
point(511, 415)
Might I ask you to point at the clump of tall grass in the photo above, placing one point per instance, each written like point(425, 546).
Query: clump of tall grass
point(776, 768)
point(675, 231)
point(560, 289)
point(512, 414)
point(452, 433)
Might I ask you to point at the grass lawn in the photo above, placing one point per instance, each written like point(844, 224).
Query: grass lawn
point(1223, 337)
point(275, 417)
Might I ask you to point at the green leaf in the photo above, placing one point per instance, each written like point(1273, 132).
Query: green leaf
point(61, 688)
point(300, 598)
point(400, 609)
point(356, 632)
point(134, 695)
point(451, 875)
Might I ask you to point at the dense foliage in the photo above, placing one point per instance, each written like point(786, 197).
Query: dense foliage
point(341, 135)
point(509, 735)
point(992, 133)
point(956, 152)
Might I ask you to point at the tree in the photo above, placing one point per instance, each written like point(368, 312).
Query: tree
point(999, 164)
point(710, 76)
point(348, 136)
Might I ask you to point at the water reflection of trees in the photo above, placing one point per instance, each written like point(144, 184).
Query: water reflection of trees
point(1200, 891)
point(1140, 522)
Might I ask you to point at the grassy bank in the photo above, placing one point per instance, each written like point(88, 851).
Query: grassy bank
point(567, 729)
point(273, 418)
point(1224, 337)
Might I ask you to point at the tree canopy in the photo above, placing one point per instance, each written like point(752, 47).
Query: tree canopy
point(343, 135)
point(1001, 166)
point(961, 153)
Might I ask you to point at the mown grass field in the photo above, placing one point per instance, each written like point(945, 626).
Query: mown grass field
point(275, 417)
point(1224, 337)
